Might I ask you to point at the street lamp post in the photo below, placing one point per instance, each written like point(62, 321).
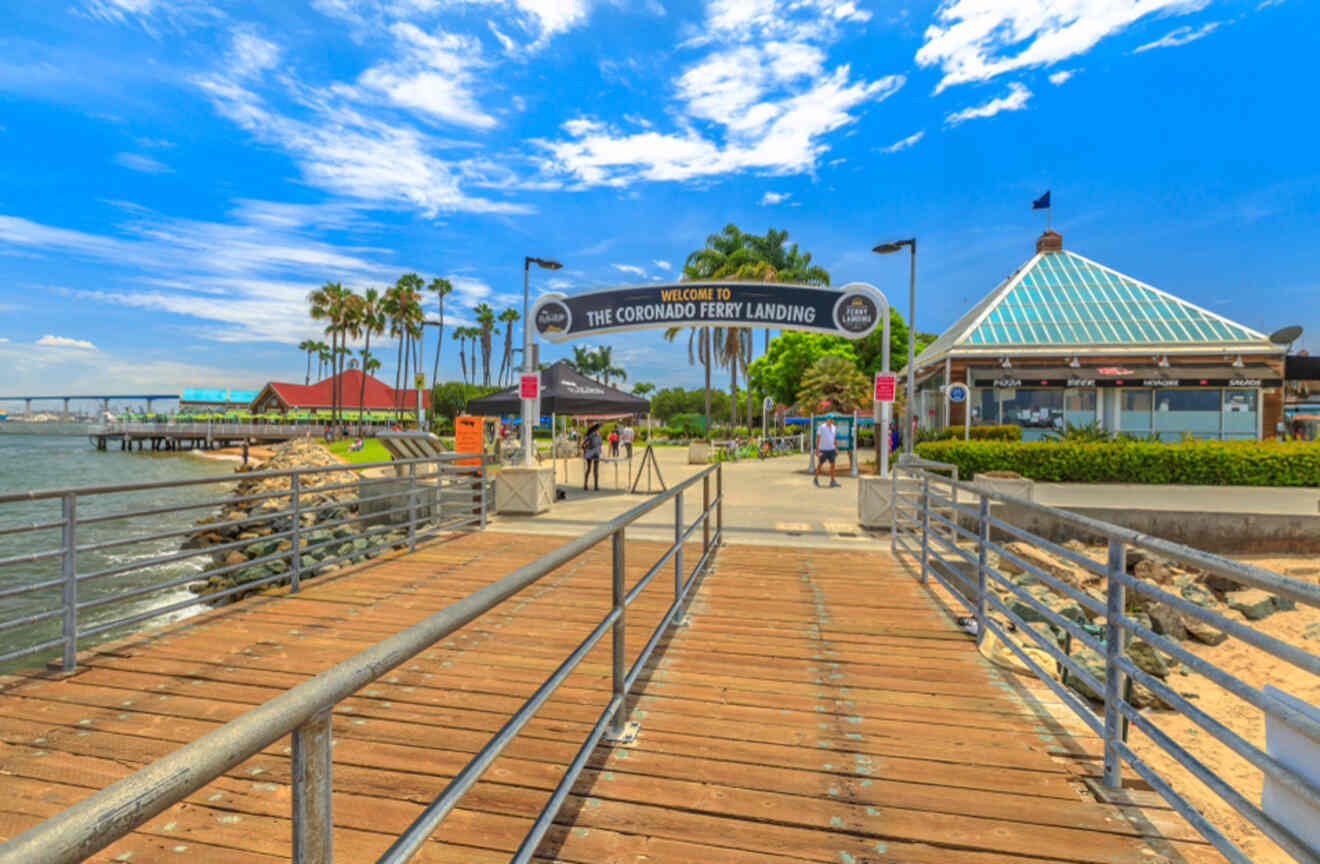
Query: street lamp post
point(547, 264)
point(885, 249)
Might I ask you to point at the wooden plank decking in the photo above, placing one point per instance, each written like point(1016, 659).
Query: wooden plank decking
point(820, 707)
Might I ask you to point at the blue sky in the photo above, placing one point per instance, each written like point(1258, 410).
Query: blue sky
point(176, 175)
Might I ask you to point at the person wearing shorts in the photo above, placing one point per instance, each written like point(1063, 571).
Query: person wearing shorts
point(591, 447)
point(826, 451)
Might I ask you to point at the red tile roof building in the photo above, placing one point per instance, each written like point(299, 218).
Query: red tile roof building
point(379, 396)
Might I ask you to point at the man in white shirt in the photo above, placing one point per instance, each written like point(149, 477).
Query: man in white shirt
point(629, 433)
point(826, 450)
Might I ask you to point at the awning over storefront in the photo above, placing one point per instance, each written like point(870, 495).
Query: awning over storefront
point(1227, 375)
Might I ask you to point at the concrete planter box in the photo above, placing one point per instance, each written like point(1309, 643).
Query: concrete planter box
point(391, 493)
point(874, 500)
point(1007, 486)
point(698, 452)
point(524, 491)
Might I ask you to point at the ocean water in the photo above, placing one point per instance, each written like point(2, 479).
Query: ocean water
point(57, 461)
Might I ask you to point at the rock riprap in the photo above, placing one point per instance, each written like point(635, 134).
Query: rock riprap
point(316, 490)
point(1210, 592)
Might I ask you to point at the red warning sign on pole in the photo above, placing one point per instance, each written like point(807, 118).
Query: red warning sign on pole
point(530, 386)
point(885, 385)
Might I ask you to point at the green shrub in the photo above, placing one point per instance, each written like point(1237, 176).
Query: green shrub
point(1007, 432)
point(1207, 463)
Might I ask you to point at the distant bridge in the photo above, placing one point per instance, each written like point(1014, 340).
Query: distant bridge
point(105, 400)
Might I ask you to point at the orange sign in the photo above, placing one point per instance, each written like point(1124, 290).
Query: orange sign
point(468, 437)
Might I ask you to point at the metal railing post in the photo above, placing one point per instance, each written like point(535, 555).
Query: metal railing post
point(925, 526)
point(619, 722)
point(893, 513)
point(983, 538)
point(295, 488)
point(69, 588)
point(1115, 647)
point(678, 546)
point(412, 506)
point(705, 514)
point(719, 500)
point(482, 480)
point(312, 818)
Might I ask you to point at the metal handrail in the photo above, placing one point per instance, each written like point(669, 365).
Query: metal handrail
point(434, 490)
point(1119, 626)
point(305, 712)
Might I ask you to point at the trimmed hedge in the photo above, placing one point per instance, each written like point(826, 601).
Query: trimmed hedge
point(1006, 432)
point(1207, 463)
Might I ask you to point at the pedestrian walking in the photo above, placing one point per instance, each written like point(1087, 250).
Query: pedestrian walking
point(629, 433)
point(591, 445)
point(614, 442)
point(826, 450)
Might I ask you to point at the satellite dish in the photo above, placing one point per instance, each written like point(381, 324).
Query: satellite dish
point(1286, 336)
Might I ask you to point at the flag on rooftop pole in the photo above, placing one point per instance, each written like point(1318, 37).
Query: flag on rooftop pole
point(1043, 203)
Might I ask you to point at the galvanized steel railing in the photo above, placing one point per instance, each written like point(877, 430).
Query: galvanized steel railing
point(426, 496)
point(305, 710)
point(929, 521)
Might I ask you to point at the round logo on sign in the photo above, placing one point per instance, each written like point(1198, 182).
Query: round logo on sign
point(552, 317)
point(957, 393)
point(856, 313)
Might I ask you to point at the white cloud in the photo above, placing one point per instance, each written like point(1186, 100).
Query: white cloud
point(434, 76)
point(1057, 78)
point(905, 143)
point(4, 338)
point(630, 268)
point(149, 13)
point(663, 265)
point(774, 198)
point(762, 98)
point(976, 40)
point(504, 41)
point(51, 341)
point(1180, 36)
point(1016, 100)
point(344, 151)
point(144, 164)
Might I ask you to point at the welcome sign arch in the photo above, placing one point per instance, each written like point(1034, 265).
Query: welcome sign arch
point(852, 311)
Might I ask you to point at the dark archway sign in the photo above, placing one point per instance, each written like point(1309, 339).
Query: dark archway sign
point(851, 311)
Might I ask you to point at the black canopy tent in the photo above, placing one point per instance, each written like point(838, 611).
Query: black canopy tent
point(563, 391)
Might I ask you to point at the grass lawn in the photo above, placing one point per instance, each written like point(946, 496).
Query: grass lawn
point(372, 450)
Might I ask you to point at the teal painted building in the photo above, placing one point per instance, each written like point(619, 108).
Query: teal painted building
point(1065, 340)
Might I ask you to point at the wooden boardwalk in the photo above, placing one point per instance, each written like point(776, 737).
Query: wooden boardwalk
point(820, 707)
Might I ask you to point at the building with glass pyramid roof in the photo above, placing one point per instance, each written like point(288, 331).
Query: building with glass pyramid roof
point(1066, 340)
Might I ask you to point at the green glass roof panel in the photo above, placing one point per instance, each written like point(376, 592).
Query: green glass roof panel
point(1062, 298)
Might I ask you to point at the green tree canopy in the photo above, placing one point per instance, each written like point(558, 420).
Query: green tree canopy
point(778, 373)
point(833, 383)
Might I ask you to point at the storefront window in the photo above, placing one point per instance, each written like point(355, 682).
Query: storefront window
point(1036, 411)
point(1191, 412)
point(1079, 407)
point(1135, 412)
point(1240, 413)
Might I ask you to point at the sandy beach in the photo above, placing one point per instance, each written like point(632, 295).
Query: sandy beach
point(234, 454)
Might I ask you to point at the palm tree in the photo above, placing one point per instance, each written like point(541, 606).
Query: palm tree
point(441, 287)
point(603, 363)
point(641, 388)
point(701, 337)
point(371, 320)
point(584, 360)
point(733, 348)
point(403, 307)
point(330, 303)
point(308, 345)
point(508, 316)
point(834, 380)
point(461, 334)
point(486, 318)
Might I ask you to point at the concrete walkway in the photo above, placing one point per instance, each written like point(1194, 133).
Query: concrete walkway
point(768, 502)
point(1285, 500)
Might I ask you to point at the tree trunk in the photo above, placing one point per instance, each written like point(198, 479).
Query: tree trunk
point(705, 336)
point(308, 379)
point(398, 371)
point(362, 393)
point(439, 335)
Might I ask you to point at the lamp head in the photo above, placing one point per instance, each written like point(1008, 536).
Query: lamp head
point(545, 263)
point(886, 248)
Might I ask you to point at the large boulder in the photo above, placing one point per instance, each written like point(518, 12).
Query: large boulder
point(1147, 659)
point(1254, 604)
point(1167, 621)
point(1153, 571)
point(1202, 631)
point(1043, 561)
point(1199, 595)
